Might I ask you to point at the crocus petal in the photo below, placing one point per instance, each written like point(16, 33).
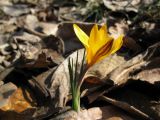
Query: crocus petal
point(82, 36)
point(104, 51)
point(117, 44)
point(93, 35)
point(109, 48)
point(89, 56)
point(103, 33)
point(93, 40)
point(102, 38)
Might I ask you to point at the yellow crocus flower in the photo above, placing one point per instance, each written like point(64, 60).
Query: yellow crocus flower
point(99, 44)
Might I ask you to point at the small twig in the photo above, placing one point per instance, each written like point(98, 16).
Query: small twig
point(126, 107)
point(96, 96)
point(41, 35)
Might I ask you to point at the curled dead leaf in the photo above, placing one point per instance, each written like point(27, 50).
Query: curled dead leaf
point(138, 66)
point(60, 84)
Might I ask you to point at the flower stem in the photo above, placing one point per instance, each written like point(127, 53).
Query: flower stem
point(76, 100)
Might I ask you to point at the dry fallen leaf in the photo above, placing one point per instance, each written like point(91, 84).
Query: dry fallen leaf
point(122, 27)
point(48, 28)
point(66, 33)
point(133, 69)
point(30, 34)
point(26, 37)
point(60, 84)
point(15, 10)
point(127, 107)
point(95, 113)
point(143, 67)
point(104, 67)
point(107, 113)
point(19, 105)
point(6, 91)
point(151, 73)
point(20, 101)
point(126, 5)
